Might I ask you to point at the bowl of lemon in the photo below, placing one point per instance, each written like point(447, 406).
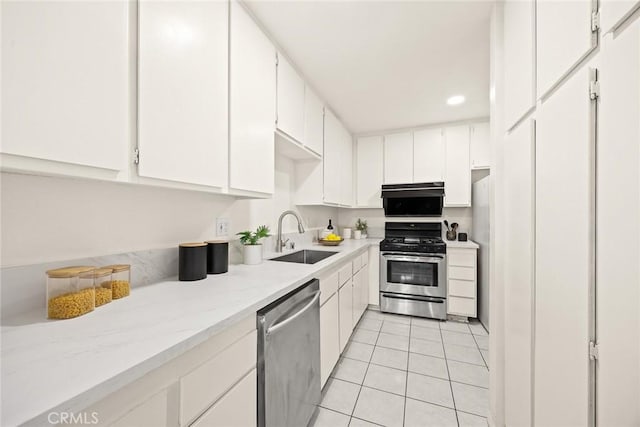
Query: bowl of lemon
point(331, 240)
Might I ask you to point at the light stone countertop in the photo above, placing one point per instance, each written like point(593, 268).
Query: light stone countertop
point(67, 365)
point(469, 244)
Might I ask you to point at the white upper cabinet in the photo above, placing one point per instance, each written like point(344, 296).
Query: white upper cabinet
point(398, 155)
point(253, 97)
point(313, 121)
point(457, 181)
point(331, 160)
point(428, 155)
point(564, 37)
point(290, 89)
point(346, 168)
point(480, 146)
point(519, 54)
point(369, 171)
point(182, 91)
point(614, 12)
point(65, 82)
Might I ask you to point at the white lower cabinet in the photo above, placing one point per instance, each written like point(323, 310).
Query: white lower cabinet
point(329, 337)
point(211, 384)
point(237, 408)
point(345, 298)
point(462, 282)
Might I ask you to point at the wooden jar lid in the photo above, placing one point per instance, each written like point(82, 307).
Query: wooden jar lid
point(98, 272)
point(192, 245)
point(67, 272)
point(118, 267)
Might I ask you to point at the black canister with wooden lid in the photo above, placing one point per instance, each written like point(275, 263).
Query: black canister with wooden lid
point(217, 256)
point(192, 261)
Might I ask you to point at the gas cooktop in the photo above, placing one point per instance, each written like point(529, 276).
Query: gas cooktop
point(418, 237)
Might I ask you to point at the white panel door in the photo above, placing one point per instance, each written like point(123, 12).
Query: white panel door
point(428, 155)
point(65, 82)
point(457, 181)
point(518, 228)
point(182, 92)
point(346, 168)
point(564, 37)
point(329, 337)
point(618, 255)
point(519, 54)
point(369, 171)
point(480, 146)
point(563, 255)
point(313, 121)
point(290, 100)
point(614, 12)
point(252, 83)
point(345, 307)
point(331, 158)
point(398, 158)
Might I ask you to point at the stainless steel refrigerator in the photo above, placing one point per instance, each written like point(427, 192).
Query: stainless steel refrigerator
point(480, 229)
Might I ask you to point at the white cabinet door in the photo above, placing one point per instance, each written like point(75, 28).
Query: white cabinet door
point(329, 337)
point(518, 229)
point(65, 82)
point(182, 92)
point(237, 408)
point(564, 37)
point(480, 146)
point(331, 158)
point(618, 183)
point(428, 155)
point(357, 296)
point(519, 54)
point(152, 412)
point(345, 300)
point(614, 12)
point(369, 171)
point(290, 97)
point(398, 158)
point(346, 168)
point(563, 254)
point(313, 121)
point(457, 181)
point(252, 83)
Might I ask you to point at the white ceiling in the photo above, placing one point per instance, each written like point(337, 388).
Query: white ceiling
point(387, 65)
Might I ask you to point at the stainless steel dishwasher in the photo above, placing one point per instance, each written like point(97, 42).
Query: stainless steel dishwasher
point(289, 358)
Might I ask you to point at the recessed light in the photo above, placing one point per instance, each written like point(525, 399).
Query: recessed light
point(456, 100)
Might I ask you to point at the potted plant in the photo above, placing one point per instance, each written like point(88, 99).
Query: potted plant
point(251, 248)
point(361, 229)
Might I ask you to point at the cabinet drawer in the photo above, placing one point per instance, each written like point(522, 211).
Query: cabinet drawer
point(357, 264)
point(205, 384)
point(238, 408)
point(462, 306)
point(152, 412)
point(462, 257)
point(364, 258)
point(328, 286)
point(345, 273)
point(462, 288)
point(462, 273)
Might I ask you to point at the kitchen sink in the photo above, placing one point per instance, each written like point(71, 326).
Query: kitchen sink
point(305, 256)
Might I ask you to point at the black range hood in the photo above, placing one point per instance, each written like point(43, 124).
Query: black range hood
point(419, 199)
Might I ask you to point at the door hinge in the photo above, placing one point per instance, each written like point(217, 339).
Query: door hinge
point(277, 62)
point(136, 156)
point(595, 21)
point(593, 350)
point(594, 89)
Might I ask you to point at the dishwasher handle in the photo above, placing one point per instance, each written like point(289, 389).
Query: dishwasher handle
point(302, 311)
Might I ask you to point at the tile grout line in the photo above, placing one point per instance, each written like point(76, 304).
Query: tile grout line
point(406, 377)
point(455, 409)
point(365, 374)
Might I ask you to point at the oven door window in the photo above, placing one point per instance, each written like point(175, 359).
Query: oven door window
point(412, 273)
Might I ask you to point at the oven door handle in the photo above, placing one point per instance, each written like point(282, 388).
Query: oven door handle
point(414, 298)
point(412, 258)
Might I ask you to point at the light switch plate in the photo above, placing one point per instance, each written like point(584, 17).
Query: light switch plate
point(222, 227)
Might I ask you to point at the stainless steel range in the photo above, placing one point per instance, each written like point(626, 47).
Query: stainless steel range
point(413, 272)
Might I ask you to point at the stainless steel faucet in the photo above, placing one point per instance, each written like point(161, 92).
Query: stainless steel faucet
point(279, 243)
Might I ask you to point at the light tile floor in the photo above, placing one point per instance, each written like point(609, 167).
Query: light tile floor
point(409, 371)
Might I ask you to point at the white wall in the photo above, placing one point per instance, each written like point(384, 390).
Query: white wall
point(52, 219)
